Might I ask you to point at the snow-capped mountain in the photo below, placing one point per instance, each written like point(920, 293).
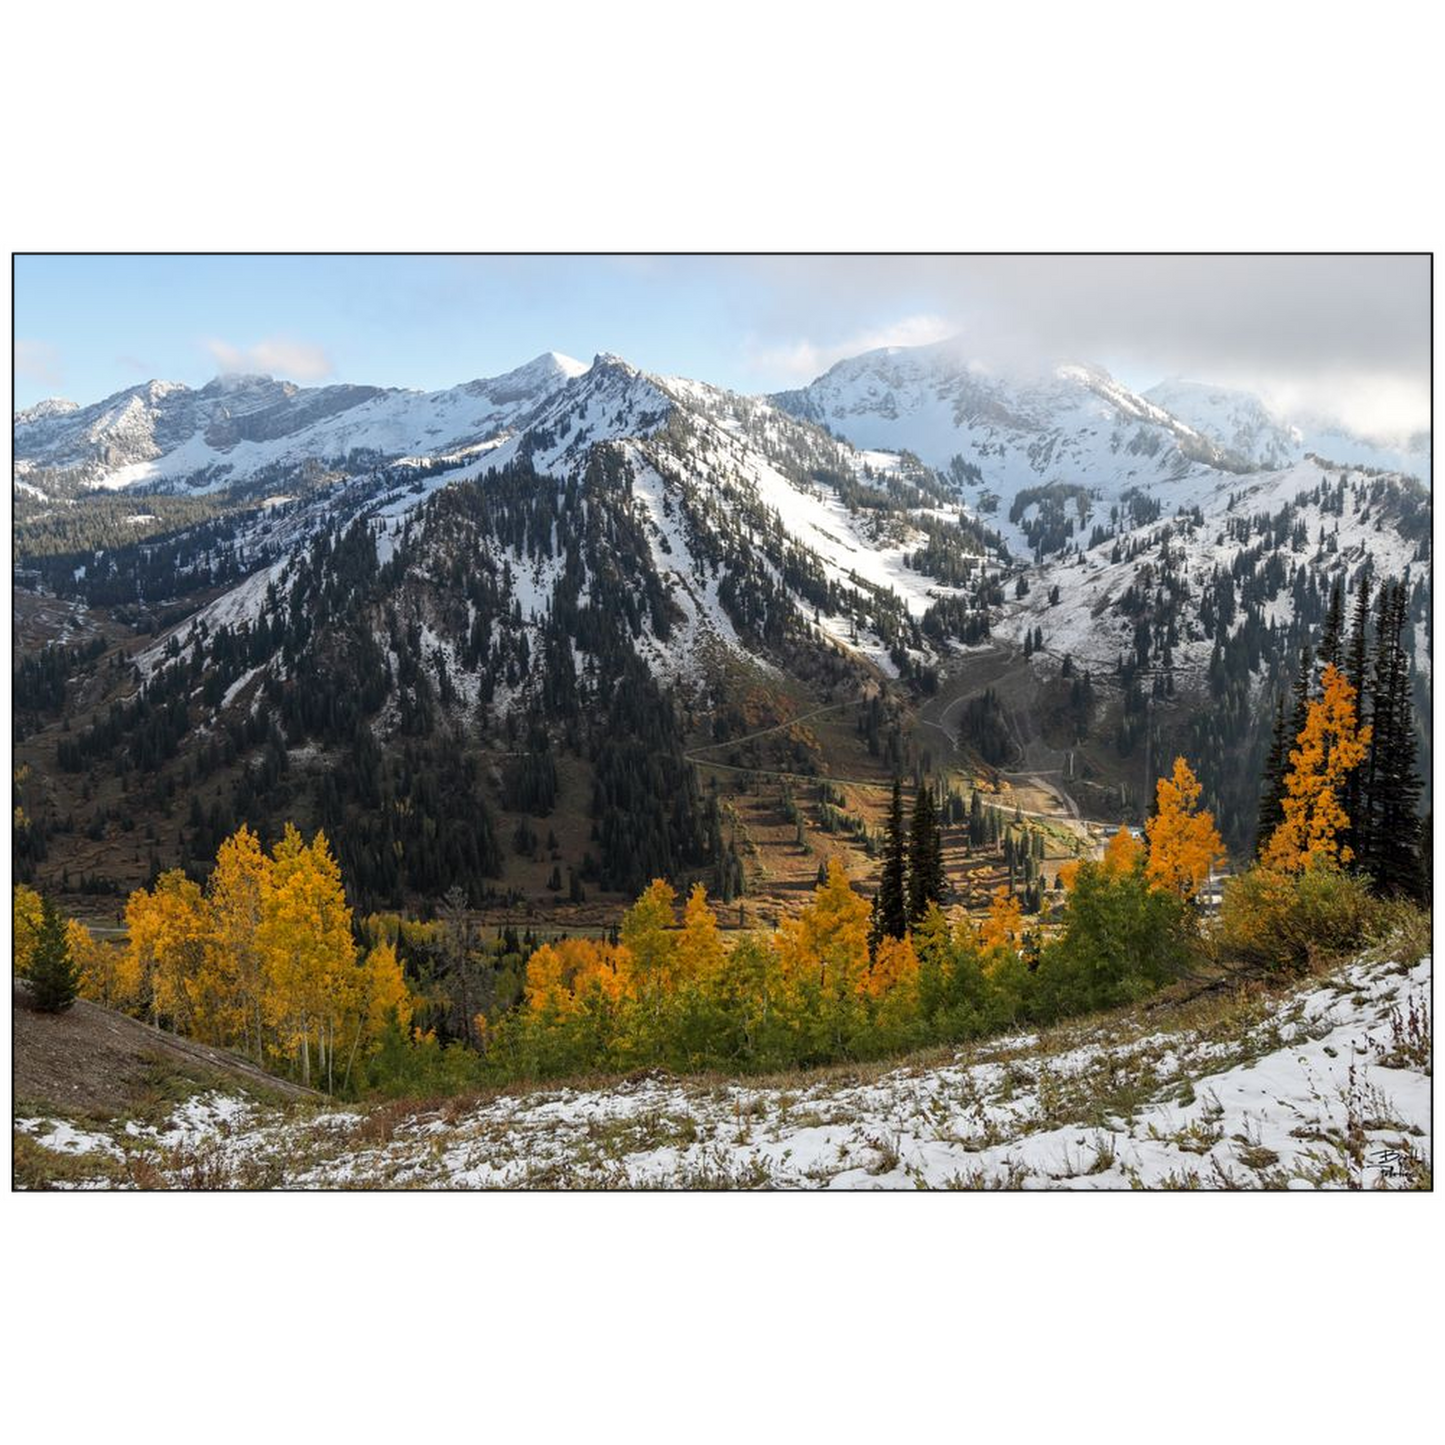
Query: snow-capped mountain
point(1240, 422)
point(603, 557)
point(225, 433)
point(1236, 420)
point(740, 510)
point(1000, 434)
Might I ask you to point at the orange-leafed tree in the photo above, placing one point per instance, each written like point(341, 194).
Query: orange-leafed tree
point(1184, 844)
point(894, 971)
point(1124, 853)
point(1331, 744)
point(1004, 927)
point(547, 988)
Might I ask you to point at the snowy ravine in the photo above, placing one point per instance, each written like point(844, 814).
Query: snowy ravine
point(1327, 1086)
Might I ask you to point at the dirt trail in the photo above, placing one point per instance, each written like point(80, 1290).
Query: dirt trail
point(1001, 667)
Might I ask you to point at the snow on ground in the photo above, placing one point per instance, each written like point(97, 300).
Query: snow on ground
point(1327, 1086)
point(1085, 623)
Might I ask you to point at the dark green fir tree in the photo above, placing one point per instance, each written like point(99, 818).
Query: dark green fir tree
point(54, 979)
point(926, 882)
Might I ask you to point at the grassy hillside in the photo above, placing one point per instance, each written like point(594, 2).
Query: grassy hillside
point(1325, 1084)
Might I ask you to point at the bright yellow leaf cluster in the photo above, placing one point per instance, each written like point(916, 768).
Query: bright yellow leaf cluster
point(1331, 744)
point(1184, 844)
point(263, 959)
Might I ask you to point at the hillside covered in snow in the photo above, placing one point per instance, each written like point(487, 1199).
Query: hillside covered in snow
point(1325, 1085)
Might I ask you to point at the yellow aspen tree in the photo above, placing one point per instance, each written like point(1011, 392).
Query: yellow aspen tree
point(933, 940)
point(107, 971)
point(1331, 744)
point(168, 929)
point(649, 935)
point(383, 996)
point(309, 953)
point(829, 938)
point(894, 971)
point(1124, 853)
point(26, 918)
point(235, 892)
point(1184, 844)
point(596, 969)
point(1004, 926)
point(547, 989)
point(700, 950)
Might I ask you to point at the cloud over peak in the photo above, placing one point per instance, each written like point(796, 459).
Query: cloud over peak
point(274, 356)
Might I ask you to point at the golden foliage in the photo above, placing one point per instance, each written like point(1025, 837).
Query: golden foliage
point(26, 920)
point(826, 945)
point(263, 959)
point(1123, 854)
point(1331, 744)
point(894, 969)
point(1003, 929)
point(1184, 844)
point(108, 974)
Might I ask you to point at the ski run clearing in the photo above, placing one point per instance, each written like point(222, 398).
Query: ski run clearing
point(1325, 1086)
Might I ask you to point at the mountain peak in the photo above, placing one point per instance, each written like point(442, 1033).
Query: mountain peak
point(50, 406)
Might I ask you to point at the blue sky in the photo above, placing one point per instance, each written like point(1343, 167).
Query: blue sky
point(93, 325)
point(1346, 337)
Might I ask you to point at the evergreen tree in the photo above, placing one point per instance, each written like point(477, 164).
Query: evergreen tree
point(1271, 798)
point(1391, 792)
point(926, 881)
point(1303, 687)
point(1358, 656)
point(54, 978)
point(890, 906)
point(1356, 666)
point(1331, 654)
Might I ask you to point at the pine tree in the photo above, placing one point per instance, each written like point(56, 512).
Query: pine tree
point(54, 980)
point(1303, 687)
point(1358, 655)
point(890, 905)
point(1391, 791)
point(1271, 798)
point(1356, 666)
point(926, 881)
point(1332, 642)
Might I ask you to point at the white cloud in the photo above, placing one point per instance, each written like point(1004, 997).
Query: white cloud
point(276, 356)
point(804, 360)
point(1345, 336)
point(37, 362)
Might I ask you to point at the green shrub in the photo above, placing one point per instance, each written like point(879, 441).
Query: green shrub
point(1122, 940)
point(1285, 920)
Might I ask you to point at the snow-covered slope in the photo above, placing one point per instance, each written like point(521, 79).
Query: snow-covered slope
point(1322, 1088)
point(1089, 622)
point(237, 426)
point(723, 486)
point(1243, 424)
point(1236, 420)
point(1000, 435)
